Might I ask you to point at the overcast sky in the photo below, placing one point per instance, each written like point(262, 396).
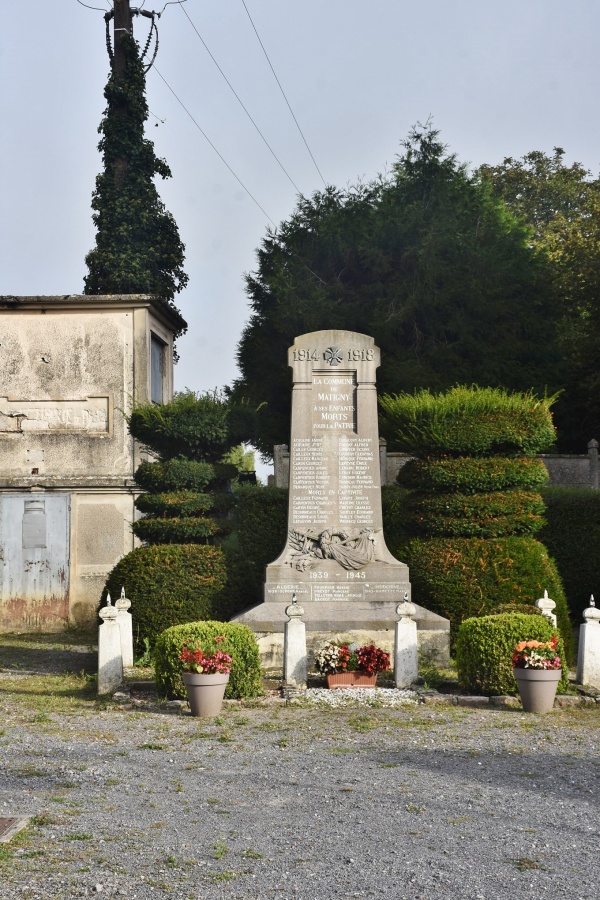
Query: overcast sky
point(499, 78)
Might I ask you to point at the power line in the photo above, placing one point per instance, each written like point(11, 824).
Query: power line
point(222, 158)
point(237, 97)
point(87, 6)
point(283, 93)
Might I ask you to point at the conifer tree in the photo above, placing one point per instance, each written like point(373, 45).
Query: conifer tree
point(138, 247)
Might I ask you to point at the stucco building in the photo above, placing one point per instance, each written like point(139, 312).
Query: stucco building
point(70, 367)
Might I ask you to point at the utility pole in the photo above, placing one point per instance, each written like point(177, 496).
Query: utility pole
point(123, 24)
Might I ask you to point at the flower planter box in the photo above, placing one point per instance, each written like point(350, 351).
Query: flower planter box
point(350, 679)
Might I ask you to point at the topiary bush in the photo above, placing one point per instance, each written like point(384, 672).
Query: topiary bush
point(474, 474)
point(484, 648)
point(240, 643)
point(181, 530)
point(467, 421)
point(463, 577)
point(496, 514)
point(192, 425)
point(167, 585)
point(470, 511)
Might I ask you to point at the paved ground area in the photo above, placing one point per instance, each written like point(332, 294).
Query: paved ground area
point(287, 802)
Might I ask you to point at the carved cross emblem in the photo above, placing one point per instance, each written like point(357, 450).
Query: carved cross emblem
point(333, 355)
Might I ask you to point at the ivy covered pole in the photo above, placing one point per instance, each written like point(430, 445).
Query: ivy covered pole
point(138, 249)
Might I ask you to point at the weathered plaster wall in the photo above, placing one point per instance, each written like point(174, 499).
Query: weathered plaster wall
point(70, 367)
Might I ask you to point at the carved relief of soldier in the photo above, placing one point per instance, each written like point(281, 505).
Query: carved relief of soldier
point(331, 543)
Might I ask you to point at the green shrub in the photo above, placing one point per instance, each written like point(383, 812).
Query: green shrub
point(240, 643)
point(484, 648)
point(168, 585)
point(196, 530)
point(472, 475)
point(178, 503)
point(498, 514)
point(174, 475)
point(463, 577)
point(467, 420)
point(191, 425)
point(394, 501)
point(572, 535)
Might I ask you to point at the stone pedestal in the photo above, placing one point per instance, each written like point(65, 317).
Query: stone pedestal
point(546, 605)
point(110, 661)
point(295, 666)
point(336, 560)
point(406, 655)
point(588, 658)
point(125, 624)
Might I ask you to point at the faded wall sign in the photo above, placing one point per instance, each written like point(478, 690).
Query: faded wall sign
point(70, 416)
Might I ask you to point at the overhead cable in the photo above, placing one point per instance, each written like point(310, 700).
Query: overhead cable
point(237, 97)
point(223, 160)
point(283, 93)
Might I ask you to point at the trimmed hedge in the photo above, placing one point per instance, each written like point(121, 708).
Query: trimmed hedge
point(484, 648)
point(240, 643)
point(498, 514)
point(168, 584)
point(467, 421)
point(259, 533)
point(174, 475)
point(184, 530)
point(471, 475)
point(191, 425)
point(572, 535)
point(463, 577)
point(181, 503)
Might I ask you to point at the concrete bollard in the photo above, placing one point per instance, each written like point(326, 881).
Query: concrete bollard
point(547, 605)
point(110, 661)
point(406, 657)
point(588, 657)
point(125, 624)
point(295, 664)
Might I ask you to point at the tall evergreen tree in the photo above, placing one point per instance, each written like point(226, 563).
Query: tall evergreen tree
point(138, 247)
point(427, 261)
point(561, 204)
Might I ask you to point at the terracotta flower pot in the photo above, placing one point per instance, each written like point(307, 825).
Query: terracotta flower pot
point(205, 692)
point(350, 679)
point(537, 688)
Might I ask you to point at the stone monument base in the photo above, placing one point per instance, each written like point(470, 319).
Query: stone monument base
point(353, 623)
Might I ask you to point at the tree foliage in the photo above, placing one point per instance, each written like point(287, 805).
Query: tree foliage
point(188, 499)
point(199, 426)
point(426, 260)
point(138, 248)
point(561, 204)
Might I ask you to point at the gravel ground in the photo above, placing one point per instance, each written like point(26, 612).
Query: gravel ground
point(291, 801)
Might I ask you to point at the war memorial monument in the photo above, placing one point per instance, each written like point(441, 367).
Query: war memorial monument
point(335, 563)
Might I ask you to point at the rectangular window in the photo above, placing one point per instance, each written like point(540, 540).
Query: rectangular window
point(157, 369)
point(34, 524)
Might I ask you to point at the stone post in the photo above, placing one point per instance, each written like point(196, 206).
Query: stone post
point(110, 661)
point(295, 667)
point(588, 658)
point(593, 455)
point(125, 624)
point(406, 657)
point(547, 605)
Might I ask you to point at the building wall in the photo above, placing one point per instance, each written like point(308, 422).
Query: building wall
point(70, 369)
